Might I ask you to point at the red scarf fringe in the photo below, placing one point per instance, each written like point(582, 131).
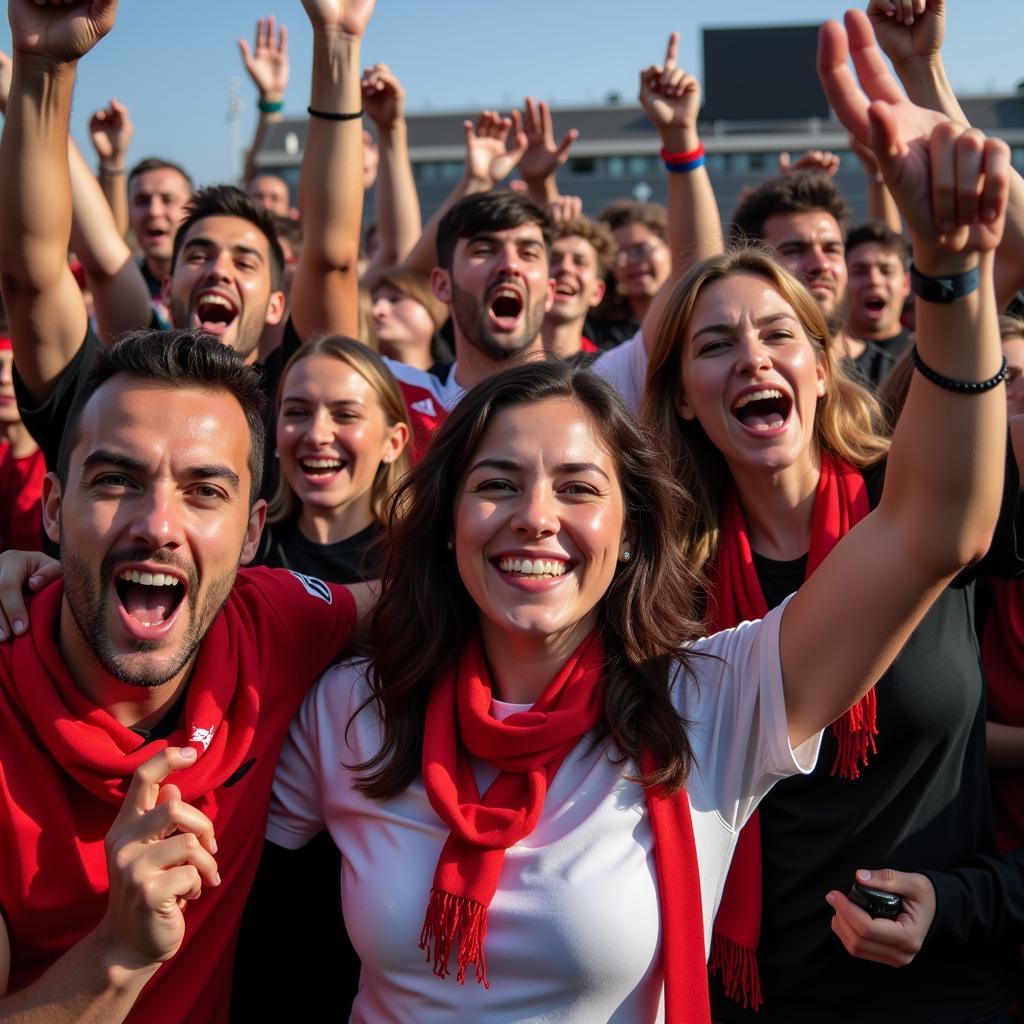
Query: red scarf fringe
point(736, 967)
point(446, 915)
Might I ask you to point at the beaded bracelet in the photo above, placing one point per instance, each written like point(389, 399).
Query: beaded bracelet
point(962, 387)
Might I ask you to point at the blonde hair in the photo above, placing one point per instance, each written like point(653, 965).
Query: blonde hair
point(374, 371)
point(848, 422)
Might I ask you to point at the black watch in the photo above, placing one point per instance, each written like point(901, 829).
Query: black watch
point(944, 289)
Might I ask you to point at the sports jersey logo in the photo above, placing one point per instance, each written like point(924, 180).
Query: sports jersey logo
point(425, 406)
point(314, 587)
point(203, 736)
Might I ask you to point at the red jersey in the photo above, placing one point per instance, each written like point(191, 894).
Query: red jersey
point(64, 763)
point(21, 489)
point(428, 399)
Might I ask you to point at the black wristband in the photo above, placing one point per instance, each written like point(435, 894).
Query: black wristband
point(324, 115)
point(963, 387)
point(944, 289)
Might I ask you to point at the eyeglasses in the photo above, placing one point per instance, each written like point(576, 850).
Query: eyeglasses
point(636, 253)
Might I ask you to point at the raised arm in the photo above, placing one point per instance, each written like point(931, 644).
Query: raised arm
point(154, 866)
point(397, 202)
point(944, 477)
point(671, 99)
point(110, 129)
point(44, 306)
point(267, 65)
point(542, 158)
point(325, 292)
point(494, 147)
point(881, 205)
point(914, 45)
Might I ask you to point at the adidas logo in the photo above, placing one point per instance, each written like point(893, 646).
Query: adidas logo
point(425, 406)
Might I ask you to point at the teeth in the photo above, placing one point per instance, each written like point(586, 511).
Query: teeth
point(533, 567)
point(321, 463)
point(757, 396)
point(215, 300)
point(149, 579)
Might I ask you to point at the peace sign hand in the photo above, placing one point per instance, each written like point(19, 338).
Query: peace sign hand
point(949, 182)
point(671, 99)
point(159, 855)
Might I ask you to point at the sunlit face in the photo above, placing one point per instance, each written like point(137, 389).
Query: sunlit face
point(152, 524)
point(333, 434)
point(271, 192)
point(400, 323)
point(877, 288)
point(579, 286)
point(642, 264)
point(810, 245)
point(8, 404)
point(539, 522)
point(221, 283)
point(1013, 349)
point(498, 290)
point(750, 375)
point(156, 206)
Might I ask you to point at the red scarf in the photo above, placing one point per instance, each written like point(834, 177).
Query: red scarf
point(529, 748)
point(1002, 657)
point(840, 502)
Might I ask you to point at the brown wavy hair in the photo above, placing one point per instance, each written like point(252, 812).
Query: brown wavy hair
point(375, 372)
point(425, 611)
point(849, 421)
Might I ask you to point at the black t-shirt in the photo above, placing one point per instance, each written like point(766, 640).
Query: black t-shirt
point(872, 366)
point(921, 802)
point(45, 420)
point(606, 334)
point(356, 558)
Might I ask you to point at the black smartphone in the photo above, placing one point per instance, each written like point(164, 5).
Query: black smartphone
point(876, 902)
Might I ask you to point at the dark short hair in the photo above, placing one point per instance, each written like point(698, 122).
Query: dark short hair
point(624, 212)
point(229, 201)
point(177, 359)
point(487, 211)
point(156, 163)
point(881, 234)
point(788, 193)
point(594, 232)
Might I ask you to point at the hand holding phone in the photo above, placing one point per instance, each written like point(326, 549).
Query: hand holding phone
point(876, 902)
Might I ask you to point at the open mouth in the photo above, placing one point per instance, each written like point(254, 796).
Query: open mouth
point(150, 599)
point(505, 308)
point(764, 410)
point(874, 306)
point(565, 291)
point(214, 313)
point(321, 467)
point(533, 568)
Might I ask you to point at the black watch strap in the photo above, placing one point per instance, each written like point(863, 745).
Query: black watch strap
point(944, 289)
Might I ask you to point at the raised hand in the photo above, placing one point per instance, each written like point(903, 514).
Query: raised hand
point(267, 61)
point(949, 181)
point(909, 31)
point(671, 99)
point(111, 131)
point(564, 209)
point(347, 16)
point(383, 97)
point(491, 156)
point(542, 157)
point(811, 160)
point(160, 854)
point(57, 31)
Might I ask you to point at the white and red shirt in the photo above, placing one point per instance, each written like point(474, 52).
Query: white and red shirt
point(428, 398)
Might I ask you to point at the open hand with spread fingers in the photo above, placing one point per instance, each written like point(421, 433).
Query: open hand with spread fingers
point(267, 60)
point(949, 181)
point(494, 146)
point(542, 157)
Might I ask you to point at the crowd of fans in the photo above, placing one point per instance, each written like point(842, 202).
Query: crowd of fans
point(652, 612)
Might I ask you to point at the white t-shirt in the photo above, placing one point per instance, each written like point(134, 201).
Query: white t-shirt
point(574, 928)
point(625, 368)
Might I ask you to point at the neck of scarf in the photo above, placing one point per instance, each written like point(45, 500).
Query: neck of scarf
point(840, 502)
point(100, 753)
point(529, 747)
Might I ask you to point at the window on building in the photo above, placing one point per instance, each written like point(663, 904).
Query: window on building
point(581, 165)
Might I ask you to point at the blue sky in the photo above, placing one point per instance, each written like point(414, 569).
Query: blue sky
point(174, 62)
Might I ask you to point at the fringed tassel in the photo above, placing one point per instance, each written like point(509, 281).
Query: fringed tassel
point(736, 966)
point(855, 734)
point(446, 915)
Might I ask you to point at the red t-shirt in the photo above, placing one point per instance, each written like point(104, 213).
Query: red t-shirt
point(64, 763)
point(21, 488)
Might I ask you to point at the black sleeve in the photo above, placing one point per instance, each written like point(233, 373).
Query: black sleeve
point(294, 956)
point(979, 903)
point(45, 421)
point(1005, 557)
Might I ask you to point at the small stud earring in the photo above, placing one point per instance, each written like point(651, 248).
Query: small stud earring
point(451, 545)
point(625, 556)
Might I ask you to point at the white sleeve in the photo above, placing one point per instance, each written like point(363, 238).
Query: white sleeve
point(296, 804)
point(625, 368)
point(736, 709)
